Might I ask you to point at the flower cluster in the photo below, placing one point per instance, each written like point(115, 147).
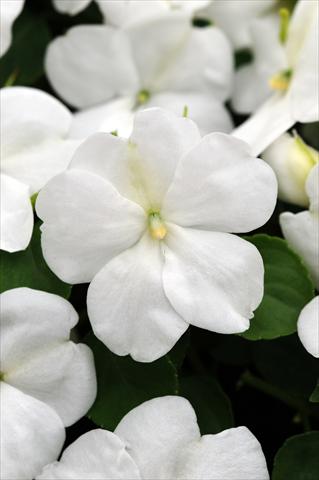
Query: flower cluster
point(133, 153)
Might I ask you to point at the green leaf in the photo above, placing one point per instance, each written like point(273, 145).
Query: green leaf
point(314, 397)
point(211, 404)
point(23, 62)
point(298, 458)
point(28, 269)
point(288, 288)
point(178, 352)
point(123, 383)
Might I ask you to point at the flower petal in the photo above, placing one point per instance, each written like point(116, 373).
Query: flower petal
point(32, 434)
point(312, 188)
point(16, 215)
point(86, 223)
point(213, 280)
point(98, 454)
point(72, 7)
point(110, 70)
point(234, 454)
point(301, 231)
point(156, 432)
point(272, 119)
point(220, 186)
point(9, 10)
point(127, 307)
point(308, 327)
point(122, 13)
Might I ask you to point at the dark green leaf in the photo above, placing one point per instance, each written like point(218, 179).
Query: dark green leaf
point(178, 352)
point(288, 288)
point(314, 397)
point(211, 404)
point(28, 269)
point(123, 383)
point(23, 62)
point(298, 458)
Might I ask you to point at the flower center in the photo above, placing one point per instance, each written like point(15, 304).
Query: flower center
point(280, 81)
point(142, 97)
point(156, 226)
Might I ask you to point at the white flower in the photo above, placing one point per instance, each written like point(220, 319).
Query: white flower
point(140, 220)
point(160, 440)
point(308, 327)
point(124, 12)
point(34, 147)
point(288, 69)
point(9, 11)
point(111, 73)
point(301, 230)
point(47, 382)
point(292, 160)
point(235, 17)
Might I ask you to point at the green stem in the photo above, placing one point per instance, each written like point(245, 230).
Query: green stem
point(298, 404)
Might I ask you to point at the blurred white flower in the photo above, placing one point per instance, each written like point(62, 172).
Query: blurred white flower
point(72, 7)
point(308, 327)
point(234, 17)
point(9, 11)
point(292, 160)
point(34, 148)
point(47, 382)
point(160, 439)
point(301, 230)
point(283, 79)
point(140, 220)
point(111, 73)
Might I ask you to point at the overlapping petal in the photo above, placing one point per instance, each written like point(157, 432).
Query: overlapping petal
point(308, 327)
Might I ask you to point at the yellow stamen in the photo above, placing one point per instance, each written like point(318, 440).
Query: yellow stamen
point(142, 97)
point(156, 226)
point(280, 81)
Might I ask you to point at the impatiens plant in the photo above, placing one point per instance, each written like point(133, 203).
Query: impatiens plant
point(160, 440)
point(147, 224)
point(34, 147)
point(47, 382)
point(175, 68)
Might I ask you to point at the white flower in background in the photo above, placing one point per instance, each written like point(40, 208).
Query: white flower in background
point(284, 74)
point(145, 221)
point(34, 147)
point(161, 440)
point(308, 327)
point(9, 11)
point(234, 17)
point(47, 382)
point(292, 160)
point(124, 12)
point(301, 230)
point(111, 73)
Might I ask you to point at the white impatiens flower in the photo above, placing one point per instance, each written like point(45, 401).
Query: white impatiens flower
point(145, 221)
point(292, 160)
point(110, 73)
point(308, 327)
point(161, 440)
point(281, 85)
point(301, 230)
point(9, 11)
point(34, 148)
point(47, 382)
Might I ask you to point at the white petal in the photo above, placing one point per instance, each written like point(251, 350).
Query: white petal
point(156, 160)
point(312, 188)
point(301, 231)
point(209, 114)
point(156, 432)
point(32, 434)
point(113, 116)
point(16, 215)
point(98, 454)
point(267, 124)
point(72, 7)
point(219, 185)
point(128, 308)
point(308, 327)
point(304, 18)
point(213, 280)
point(91, 64)
point(9, 10)
point(86, 223)
point(123, 13)
point(234, 454)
